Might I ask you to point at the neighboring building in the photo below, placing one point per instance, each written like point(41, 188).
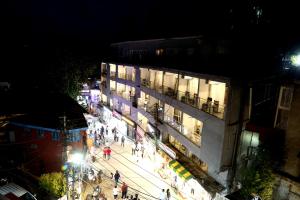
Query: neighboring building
point(12, 191)
point(287, 119)
point(35, 139)
point(274, 120)
point(155, 90)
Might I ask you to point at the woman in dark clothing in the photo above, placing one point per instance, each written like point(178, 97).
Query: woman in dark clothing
point(168, 194)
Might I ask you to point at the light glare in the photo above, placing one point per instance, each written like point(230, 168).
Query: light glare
point(77, 158)
point(295, 59)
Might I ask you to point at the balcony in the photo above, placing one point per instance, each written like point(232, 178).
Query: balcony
point(112, 74)
point(125, 76)
point(122, 76)
point(192, 136)
point(206, 105)
point(126, 95)
point(145, 83)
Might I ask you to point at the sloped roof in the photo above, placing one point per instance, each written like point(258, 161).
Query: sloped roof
point(42, 109)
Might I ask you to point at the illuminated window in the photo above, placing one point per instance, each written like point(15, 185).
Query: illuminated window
point(159, 52)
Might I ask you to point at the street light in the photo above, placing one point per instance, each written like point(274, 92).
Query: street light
point(77, 159)
point(295, 60)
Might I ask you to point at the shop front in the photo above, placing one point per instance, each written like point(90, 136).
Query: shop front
point(153, 132)
point(150, 147)
point(185, 184)
point(162, 157)
point(130, 128)
point(107, 115)
point(118, 123)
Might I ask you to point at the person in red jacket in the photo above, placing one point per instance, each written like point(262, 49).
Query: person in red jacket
point(104, 152)
point(108, 152)
point(124, 189)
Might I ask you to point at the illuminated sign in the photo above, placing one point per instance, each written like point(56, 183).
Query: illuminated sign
point(131, 123)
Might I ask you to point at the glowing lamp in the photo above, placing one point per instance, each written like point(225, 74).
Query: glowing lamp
point(295, 60)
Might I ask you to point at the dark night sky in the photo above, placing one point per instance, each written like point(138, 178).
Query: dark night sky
point(31, 26)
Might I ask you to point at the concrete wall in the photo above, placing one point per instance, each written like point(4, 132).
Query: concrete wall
point(43, 154)
point(232, 126)
point(212, 139)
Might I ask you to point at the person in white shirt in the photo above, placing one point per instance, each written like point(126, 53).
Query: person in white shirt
point(133, 147)
point(115, 192)
point(162, 195)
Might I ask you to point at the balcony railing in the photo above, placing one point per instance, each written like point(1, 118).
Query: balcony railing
point(206, 105)
point(126, 95)
point(125, 76)
point(121, 75)
point(147, 108)
point(192, 136)
point(112, 75)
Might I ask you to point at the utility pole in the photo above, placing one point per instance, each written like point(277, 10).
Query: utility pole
point(63, 120)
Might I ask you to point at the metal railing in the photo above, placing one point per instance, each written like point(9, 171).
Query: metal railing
point(126, 95)
point(121, 75)
point(211, 107)
point(126, 76)
point(112, 74)
point(195, 138)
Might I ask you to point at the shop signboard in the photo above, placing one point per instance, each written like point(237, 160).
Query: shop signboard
point(140, 133)
point(128, 121)
point(166, 149)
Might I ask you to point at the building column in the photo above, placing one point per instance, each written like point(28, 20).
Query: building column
point(117, 73)
point(108, 95)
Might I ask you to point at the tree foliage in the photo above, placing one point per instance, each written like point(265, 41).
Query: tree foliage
point(62, 70)
point(258, 177)
point(70, 71)
point(54, 183)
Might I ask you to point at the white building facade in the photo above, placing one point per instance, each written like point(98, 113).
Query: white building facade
point(193, 118)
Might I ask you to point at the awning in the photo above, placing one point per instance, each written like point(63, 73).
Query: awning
point(180, 170)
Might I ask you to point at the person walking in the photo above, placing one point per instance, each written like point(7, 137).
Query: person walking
point(168, 194)
point(108, 152)
point(162, 195)
point(117, 177)
point(106, 130)
point(142, 150)
point(122, 141)
point(133, 147)
point(124, 189)
point(115, 192)
point(102, 133)
point(136, 197)
point(104, 152)
point(102, 130)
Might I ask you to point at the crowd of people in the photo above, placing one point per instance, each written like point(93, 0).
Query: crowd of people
point(101, 142)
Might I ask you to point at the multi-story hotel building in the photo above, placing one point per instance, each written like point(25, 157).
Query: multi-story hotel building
point(189, 116)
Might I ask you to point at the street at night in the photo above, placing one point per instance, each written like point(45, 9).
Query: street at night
point(149, 100)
